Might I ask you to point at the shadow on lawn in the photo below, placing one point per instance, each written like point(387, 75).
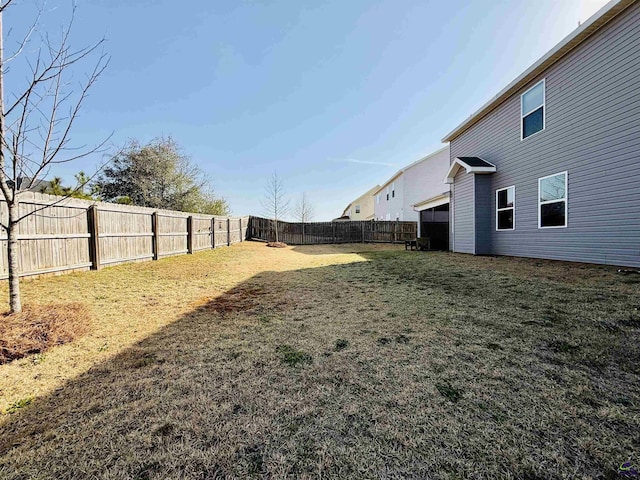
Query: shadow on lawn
point(411, 371)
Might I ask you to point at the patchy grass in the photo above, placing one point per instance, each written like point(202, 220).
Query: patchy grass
point(449, 392)
point(40, 327)
point(455, 367)
point(292, 357)
point(18, 404)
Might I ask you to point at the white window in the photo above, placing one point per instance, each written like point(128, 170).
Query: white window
point(357, 208)
point(387, 194)
point(552, 201)
point(398, 216)
point(532, 105)
point(506, 208)
point(388, 217)
point(393, 190)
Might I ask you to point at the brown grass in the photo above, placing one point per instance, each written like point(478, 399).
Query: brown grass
point(351, 361)
point(40, 327)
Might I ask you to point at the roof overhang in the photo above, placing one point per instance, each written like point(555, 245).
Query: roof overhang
point(571, 41)
point(481, 167)
point(436, 201)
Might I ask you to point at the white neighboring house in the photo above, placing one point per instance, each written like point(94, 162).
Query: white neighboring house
point(415, 193)
point(361, 208)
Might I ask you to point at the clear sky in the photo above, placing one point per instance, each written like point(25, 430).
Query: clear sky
point(334, 95)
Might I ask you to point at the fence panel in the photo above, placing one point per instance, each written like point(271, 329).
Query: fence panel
point(201, 233)
point(331, 232)
point(50, 240)
point(172, 234)
point(124, 236)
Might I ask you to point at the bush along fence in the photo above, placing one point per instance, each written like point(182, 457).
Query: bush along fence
point(332, 232)
point(72, 234)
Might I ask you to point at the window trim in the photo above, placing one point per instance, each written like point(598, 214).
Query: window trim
point(357, 208)
point(506, 208)
point(544, 109)
point(565, 200)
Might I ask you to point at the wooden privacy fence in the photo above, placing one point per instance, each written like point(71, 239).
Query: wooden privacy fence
point(77, 234)
point(332, 232)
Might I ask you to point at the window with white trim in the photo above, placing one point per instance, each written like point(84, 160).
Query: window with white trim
point(393, 190)
point(506, 208)
point(532, 106)
point(387, 193)
point(357, 208)
point(552, 201)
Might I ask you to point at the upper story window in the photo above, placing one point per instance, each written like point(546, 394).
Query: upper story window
point(506, 208)
point(393, 190)
point(387, 193)
point(552, 201)
point(357, 208)
point(532, 110)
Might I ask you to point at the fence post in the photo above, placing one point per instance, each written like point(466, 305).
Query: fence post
point(94, 244)
point(333, 225)
point(189, 234)
point(240, 224)
point(303, 233)
point(395, 232)
point(155, 239)
point(213, 232)
point(363, 223)
point(228, 232)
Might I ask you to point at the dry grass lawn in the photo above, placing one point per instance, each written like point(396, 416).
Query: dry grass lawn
point(352, 361)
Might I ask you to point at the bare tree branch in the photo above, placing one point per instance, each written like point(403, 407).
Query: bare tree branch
point(35, 130)
point(303, 210)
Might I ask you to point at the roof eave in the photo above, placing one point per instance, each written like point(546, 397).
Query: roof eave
point(571, 41)
point(457, 164)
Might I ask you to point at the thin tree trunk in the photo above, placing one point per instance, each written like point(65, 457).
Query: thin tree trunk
point(15, 301)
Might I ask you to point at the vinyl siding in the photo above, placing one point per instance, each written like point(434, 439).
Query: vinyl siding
point(592, 131)
point(463, 213)
point(418, 182)
point(392, 206)
point(424, 180)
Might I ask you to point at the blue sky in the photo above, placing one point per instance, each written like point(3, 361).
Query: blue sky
point(333, 95)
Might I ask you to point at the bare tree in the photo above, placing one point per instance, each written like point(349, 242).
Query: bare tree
point(303, 210)
point(274, 203)
point(36, 123)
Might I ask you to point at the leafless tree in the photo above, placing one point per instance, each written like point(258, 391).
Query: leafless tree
point(303, 210)
point(274, 203)
point(37, 119)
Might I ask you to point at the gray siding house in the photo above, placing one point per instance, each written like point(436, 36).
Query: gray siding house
point(550, 167)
